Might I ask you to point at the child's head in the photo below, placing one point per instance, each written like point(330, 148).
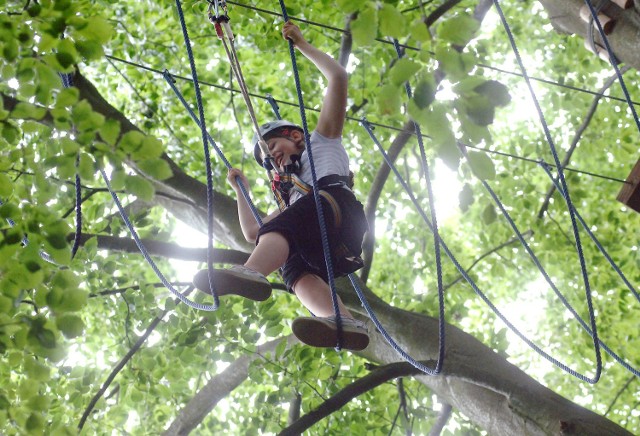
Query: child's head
point(276, 129)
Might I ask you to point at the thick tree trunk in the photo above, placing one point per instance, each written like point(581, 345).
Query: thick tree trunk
point(481, 384)
point(216, 389)
point(565, 17)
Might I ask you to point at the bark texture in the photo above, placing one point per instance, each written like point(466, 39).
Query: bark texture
point(215, 390)
point(565, 17)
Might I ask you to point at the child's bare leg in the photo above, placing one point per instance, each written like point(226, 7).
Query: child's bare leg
point(315, 294)
point(270, 254)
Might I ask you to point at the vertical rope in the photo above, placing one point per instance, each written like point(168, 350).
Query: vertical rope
point(207, 157)
point(316, 191)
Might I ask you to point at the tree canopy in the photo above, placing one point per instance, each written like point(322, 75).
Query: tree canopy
point(95, 342)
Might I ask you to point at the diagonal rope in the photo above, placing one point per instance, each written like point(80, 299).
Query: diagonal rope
point(169, 78)
point(565, 190)
point(486, 299)
point(376, 124)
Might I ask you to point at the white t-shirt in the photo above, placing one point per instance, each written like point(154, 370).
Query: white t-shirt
point(329, 157)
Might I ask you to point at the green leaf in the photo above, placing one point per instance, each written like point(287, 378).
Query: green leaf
point(350, 6)
point(139, 187)
point(131, 141)
point(466, 197)
point(66, 53)
point(67, 97)
point(36, 370)
point(403, 70)
point(425, 92)
point(9, 210)
point(458, 30)
point(150, 147)
point(98, 29)
point(453, 63)
point(155, 168)
point(118, 177)
point(86, 168)
point(419, 31)
point(389, 99)
point(10, 133)
point(364, 29)
point(495, 92)
point(489, 214)
point(6, 186)
point(28, 111)
point(70, 325)
point(479, 110)
point(109, 131)
point(392, 22)
point(69, 146)
point(35, 423)
point(90, 49)
point(481, 165)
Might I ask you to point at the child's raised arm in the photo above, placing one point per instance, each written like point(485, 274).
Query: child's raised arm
point(334, 104)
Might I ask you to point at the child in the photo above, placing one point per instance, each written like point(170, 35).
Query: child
point(291, 239)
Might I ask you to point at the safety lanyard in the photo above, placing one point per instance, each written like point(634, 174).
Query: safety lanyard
point(219, 17)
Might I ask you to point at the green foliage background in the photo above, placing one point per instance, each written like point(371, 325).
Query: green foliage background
point(60, 333)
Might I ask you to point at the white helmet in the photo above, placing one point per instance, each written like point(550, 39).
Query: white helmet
point(265, 129)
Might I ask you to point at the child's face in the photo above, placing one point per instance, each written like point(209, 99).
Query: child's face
point(281, 149)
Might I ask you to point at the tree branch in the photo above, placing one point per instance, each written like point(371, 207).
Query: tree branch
point(294, 408)
point(165, 249)
point(622, 389)
point(218, 388)
point(374, 195)
point(141, 340)
point(347, 41)
point(375, 378)
point(440, 11)
point(488, 253)
point(576, 138)
point(443, 418)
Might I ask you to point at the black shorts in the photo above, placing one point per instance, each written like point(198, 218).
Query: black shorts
point(299, 226)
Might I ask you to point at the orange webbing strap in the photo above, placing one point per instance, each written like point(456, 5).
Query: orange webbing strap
point(335, 208)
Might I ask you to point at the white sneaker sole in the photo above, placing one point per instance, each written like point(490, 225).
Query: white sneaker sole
point(318, 332)
point(228, 282)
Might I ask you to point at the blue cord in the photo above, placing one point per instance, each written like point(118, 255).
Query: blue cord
point(223, 158)
point(565, 189)
point(145, 253)
point(207, 157)
point(464, 274)
point(316, 191)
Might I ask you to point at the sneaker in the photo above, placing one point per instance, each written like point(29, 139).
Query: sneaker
point(237, 280)
point(323, 332)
